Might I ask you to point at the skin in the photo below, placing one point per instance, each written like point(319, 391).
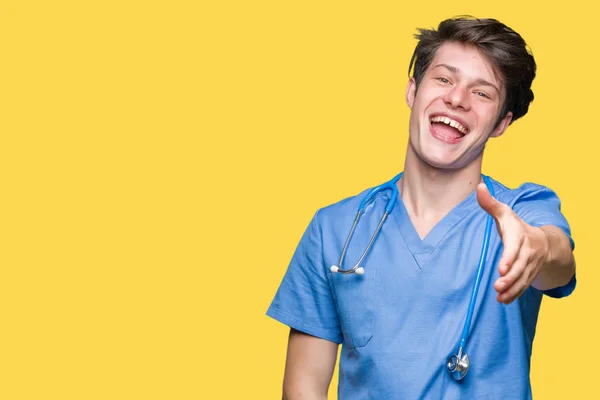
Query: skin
point(309, 367)
point(462, 84)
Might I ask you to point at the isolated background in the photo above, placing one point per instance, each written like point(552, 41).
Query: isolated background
point(159, 161)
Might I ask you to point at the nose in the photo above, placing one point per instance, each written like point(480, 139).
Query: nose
point(457, 97)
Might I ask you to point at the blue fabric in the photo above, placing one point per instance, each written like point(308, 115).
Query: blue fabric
point(400, 321)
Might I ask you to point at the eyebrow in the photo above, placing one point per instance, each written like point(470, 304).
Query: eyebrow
point(479, 81)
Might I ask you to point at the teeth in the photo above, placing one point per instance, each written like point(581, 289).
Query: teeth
point(450, 122)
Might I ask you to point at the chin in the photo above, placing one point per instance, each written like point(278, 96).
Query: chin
point(441, 161)
point(442, 165)
point(447, 163)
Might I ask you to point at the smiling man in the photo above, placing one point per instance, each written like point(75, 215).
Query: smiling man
point(432, 288)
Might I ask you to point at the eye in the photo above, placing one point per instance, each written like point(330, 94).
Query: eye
point(482, 94)
point(443, 80)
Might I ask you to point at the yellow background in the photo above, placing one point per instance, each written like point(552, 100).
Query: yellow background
point(159, 161)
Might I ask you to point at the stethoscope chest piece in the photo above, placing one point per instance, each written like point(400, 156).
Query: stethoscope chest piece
point(458, 365)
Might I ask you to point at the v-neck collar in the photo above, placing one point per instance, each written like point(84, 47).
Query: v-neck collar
point(421, 249)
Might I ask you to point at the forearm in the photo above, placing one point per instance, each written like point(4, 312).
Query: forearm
point(303, 394)
point(309, 367)
point(304, 388)
point(559, 266)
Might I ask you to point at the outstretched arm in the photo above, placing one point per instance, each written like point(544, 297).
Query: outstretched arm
point(539, 257)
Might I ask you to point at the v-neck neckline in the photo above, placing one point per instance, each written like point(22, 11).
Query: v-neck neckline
point(421, 249)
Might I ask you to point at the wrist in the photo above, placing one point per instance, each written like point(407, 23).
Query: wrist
point(547, 256)
point(557, 265)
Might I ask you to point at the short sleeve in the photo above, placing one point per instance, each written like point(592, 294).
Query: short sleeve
point(539, 206)
point(304, 300)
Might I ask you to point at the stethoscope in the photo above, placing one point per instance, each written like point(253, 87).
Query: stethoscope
point(458, 364)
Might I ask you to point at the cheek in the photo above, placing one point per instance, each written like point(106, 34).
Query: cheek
point(417, 125)
point(420, 106)
point(487, 116)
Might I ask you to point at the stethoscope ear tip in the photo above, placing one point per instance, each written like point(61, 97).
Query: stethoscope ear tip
point(360, 271)
point(334, 268)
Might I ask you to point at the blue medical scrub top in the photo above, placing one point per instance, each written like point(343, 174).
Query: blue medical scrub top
point(400, 322)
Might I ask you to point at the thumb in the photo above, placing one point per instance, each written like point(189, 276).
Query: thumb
point(488, 203)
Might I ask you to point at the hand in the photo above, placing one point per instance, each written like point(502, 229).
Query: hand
point(526, 248)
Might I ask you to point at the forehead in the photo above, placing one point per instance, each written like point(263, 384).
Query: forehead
point(470, 62)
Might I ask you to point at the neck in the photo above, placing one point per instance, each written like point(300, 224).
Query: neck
point(429, 193)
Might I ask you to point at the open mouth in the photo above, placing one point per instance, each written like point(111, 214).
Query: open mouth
point(447, 129)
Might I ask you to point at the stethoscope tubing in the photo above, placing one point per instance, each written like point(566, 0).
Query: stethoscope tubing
point(482, 259)
point(458, 364)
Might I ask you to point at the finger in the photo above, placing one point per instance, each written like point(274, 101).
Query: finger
point(512, 275)
point(513, 284)
point(515, 291)
point(512, 248)
point(488, 202)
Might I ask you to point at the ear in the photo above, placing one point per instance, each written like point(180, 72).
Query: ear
point(411, 89)
point(499, 130)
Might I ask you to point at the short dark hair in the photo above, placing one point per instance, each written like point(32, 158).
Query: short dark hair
point(505, 48)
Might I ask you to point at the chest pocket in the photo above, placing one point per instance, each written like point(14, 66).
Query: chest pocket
point(354, 299)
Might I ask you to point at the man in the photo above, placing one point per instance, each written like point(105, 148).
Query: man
point(401, 320)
